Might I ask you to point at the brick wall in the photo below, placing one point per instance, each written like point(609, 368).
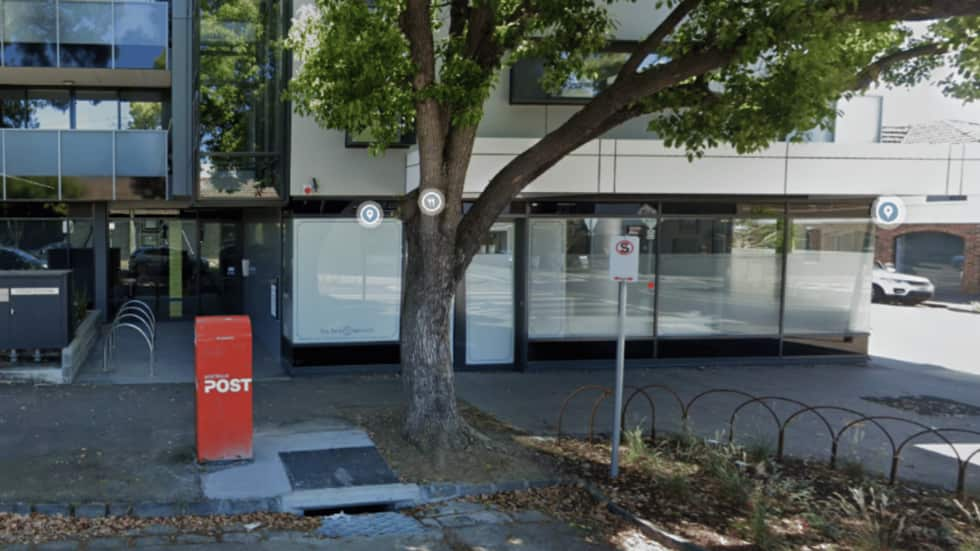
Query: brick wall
point(885, 247)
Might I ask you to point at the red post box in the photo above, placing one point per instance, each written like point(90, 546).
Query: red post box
point(223, 383)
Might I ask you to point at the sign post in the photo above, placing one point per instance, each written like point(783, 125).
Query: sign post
point(624, 267)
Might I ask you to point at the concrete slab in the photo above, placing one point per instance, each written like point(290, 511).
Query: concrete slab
point(352, 496)
point(266, 476)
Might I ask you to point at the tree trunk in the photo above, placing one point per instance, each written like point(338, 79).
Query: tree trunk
point(432, 422)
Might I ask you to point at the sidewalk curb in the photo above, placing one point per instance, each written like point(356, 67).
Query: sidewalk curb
point(431, 493)
point(650, 529)
point(962, 308)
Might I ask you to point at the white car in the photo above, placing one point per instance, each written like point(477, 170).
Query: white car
point(889, 285)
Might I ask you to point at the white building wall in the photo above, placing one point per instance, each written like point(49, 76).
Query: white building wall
point(631, 160)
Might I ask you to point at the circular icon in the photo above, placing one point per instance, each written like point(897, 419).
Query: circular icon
point(624, 247)
point(889, 212)
point(432, 201)
point(370, 214)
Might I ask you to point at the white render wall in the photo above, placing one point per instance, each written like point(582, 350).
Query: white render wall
point(647, 166)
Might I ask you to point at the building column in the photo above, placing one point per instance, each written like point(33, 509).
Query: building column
point(100, 248)
point(182, 99)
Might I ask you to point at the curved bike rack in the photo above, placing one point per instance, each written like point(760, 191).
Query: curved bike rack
point(135, 315)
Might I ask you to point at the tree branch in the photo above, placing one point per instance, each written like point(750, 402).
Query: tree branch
point(870, 74)
point(912, 10)
point(620, 102)
point(657, 37)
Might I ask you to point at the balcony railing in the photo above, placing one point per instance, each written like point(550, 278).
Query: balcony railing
point(83, 165)
point(101, 34)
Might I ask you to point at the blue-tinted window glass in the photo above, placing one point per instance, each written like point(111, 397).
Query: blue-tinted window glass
point(29, 33)
point(32, 164)
point(13, 108)
point(85, 34)
point(48, 109)
point(96, 110)
point(141, 111)
point(141, 35)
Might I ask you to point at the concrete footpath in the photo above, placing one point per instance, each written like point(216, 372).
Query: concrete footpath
point(107, 443)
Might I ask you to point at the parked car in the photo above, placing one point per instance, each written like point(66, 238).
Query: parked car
point(890, 285)
point(12, 258)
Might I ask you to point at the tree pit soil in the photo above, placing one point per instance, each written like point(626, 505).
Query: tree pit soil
point(494, 456)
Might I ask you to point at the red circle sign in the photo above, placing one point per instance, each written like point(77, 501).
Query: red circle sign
point(624, 247)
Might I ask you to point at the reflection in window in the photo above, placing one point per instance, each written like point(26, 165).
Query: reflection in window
point(570, 292)
point(238, 177)
point(27, 244)
point(828, 277)
point(720, 276)
point(96, 110)
point(240, 110)
point(31, 164)
point(85, 34)
point(141, 35)
point(29, 33)
point(48, 109)
point(599, 72)
point(141, 111)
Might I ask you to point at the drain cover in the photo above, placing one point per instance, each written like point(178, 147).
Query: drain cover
point(376, 524)
point(336, 468)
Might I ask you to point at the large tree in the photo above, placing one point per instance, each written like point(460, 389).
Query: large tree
point(743, 72)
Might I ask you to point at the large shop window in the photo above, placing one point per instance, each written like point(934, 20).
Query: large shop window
point(720, 276)
point(347, 281)
point(570, 293)
point(828, 277)
point(490, 299)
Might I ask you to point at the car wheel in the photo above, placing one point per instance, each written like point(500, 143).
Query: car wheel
point(877, 294)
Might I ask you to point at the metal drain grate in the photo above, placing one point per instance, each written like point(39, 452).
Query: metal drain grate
point(374, 524)
point(336, 468)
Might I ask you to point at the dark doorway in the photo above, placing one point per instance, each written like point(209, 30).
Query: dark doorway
point(935, 255)
point(183, 264)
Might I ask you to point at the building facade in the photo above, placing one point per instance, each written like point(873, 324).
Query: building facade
point(145, 147)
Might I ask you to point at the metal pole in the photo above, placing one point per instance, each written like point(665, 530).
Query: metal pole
point(620, 367)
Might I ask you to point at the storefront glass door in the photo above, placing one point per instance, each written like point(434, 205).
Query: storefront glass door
point(180, 266)
point(220, 268)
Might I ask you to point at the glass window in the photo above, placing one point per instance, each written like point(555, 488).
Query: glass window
point(490, 299)
point(85, 34)
point(29, 33)
point(240, 109)
point(235, 176)
point(347, 282)
point(32, 164)
point(828, 277)
point(86, 165)
point(13, 108)
point(96, 110)
point(570, 293)
point(720, 276)
point(600, 72)
point(141, 111)
point(141, 35)
point(48, 109)
point(31, 244)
